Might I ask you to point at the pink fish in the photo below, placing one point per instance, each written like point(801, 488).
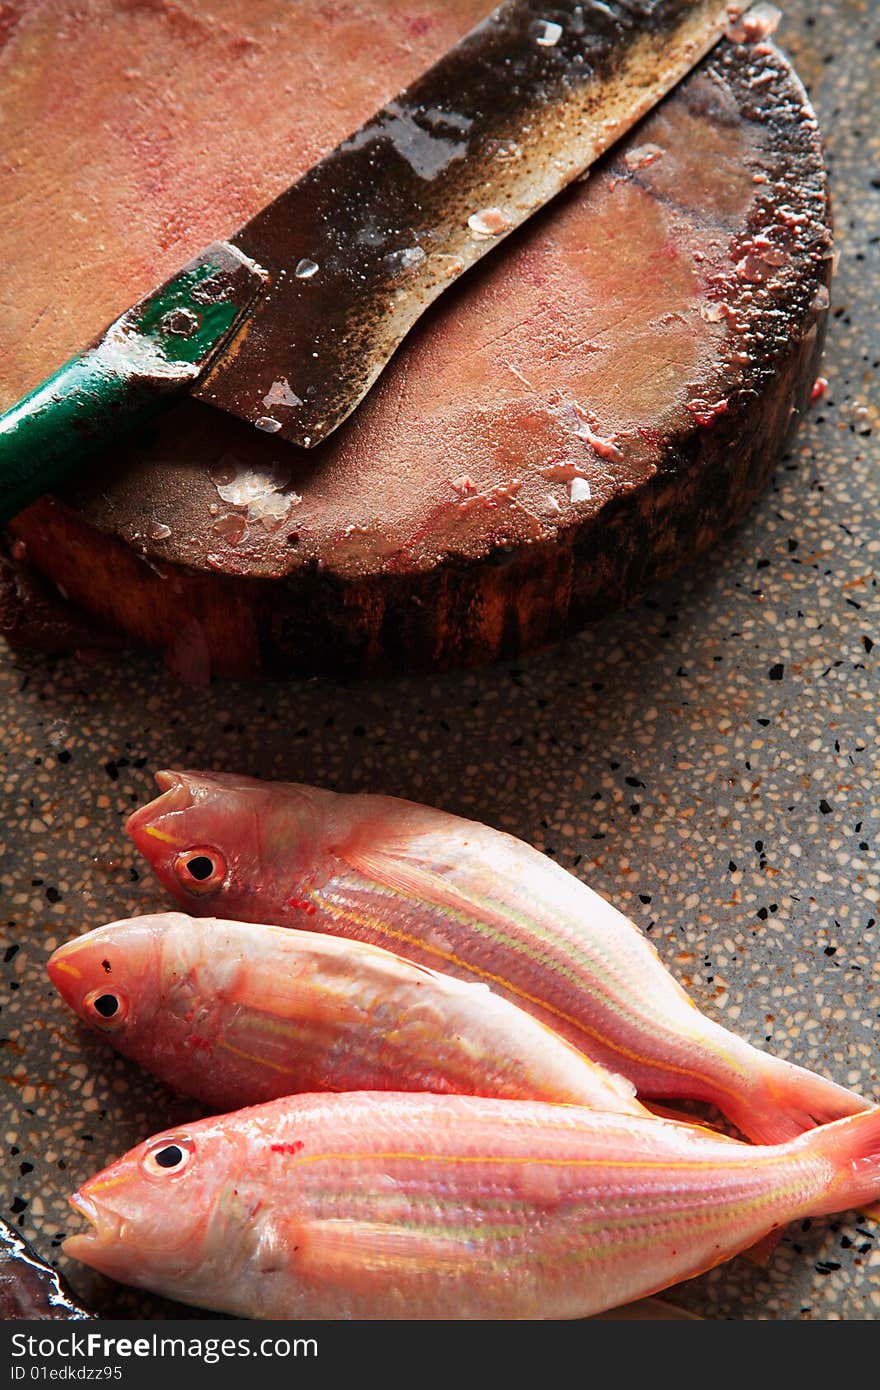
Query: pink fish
point(385, 1205)
point(460, 897)
point(235, 1014)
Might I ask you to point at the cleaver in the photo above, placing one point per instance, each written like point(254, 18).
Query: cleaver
point(288, 323)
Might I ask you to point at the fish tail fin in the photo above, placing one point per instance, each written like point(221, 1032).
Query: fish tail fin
point(789, 1100)
point(852, 1147)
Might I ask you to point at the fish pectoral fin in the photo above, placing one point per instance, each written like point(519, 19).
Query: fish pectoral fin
point(359, 1253)
point(401, 875)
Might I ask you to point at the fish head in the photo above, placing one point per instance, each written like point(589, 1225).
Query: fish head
point(217, 842)
point(111, 977)
point(158, 1216)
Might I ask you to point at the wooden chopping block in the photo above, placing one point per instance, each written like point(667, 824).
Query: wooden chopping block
point(586, 412)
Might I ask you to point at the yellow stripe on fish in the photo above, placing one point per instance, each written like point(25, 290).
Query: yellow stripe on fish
point(376, 925)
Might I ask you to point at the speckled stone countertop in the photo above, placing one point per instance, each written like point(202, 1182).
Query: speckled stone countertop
point(707, 760)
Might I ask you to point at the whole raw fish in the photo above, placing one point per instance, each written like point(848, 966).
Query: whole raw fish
point(235, 1014)
point(477, 903)
point(379, 1205)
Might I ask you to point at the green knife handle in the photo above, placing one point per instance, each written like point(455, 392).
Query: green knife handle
point(147, 358)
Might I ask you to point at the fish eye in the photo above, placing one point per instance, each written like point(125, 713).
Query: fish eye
point(167, 1157)
point(108, 1008)
point(200, 870)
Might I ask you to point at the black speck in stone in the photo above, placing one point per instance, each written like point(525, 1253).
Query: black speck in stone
point(64, 756)
point(18, 1204)
point(776, 672)
point(53, 895)
point(25, 1168)
point(831, 950)
point(762, 913)
point(10, 953)
point(112, 770)
point(824, 807)
point(731, 867)
point(644, 898)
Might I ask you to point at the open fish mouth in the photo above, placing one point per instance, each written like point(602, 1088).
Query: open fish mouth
point(103, 1232)
point(174, 797)
point(166, 780)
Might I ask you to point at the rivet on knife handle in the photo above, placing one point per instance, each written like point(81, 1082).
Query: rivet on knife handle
point(156, 349)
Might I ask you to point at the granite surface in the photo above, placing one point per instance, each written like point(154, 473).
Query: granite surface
point(707, 760)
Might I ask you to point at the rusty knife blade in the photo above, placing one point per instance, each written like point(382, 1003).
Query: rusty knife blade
point(359, 247)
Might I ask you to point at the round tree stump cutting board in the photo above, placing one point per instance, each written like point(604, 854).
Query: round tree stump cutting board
point(586, 412)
